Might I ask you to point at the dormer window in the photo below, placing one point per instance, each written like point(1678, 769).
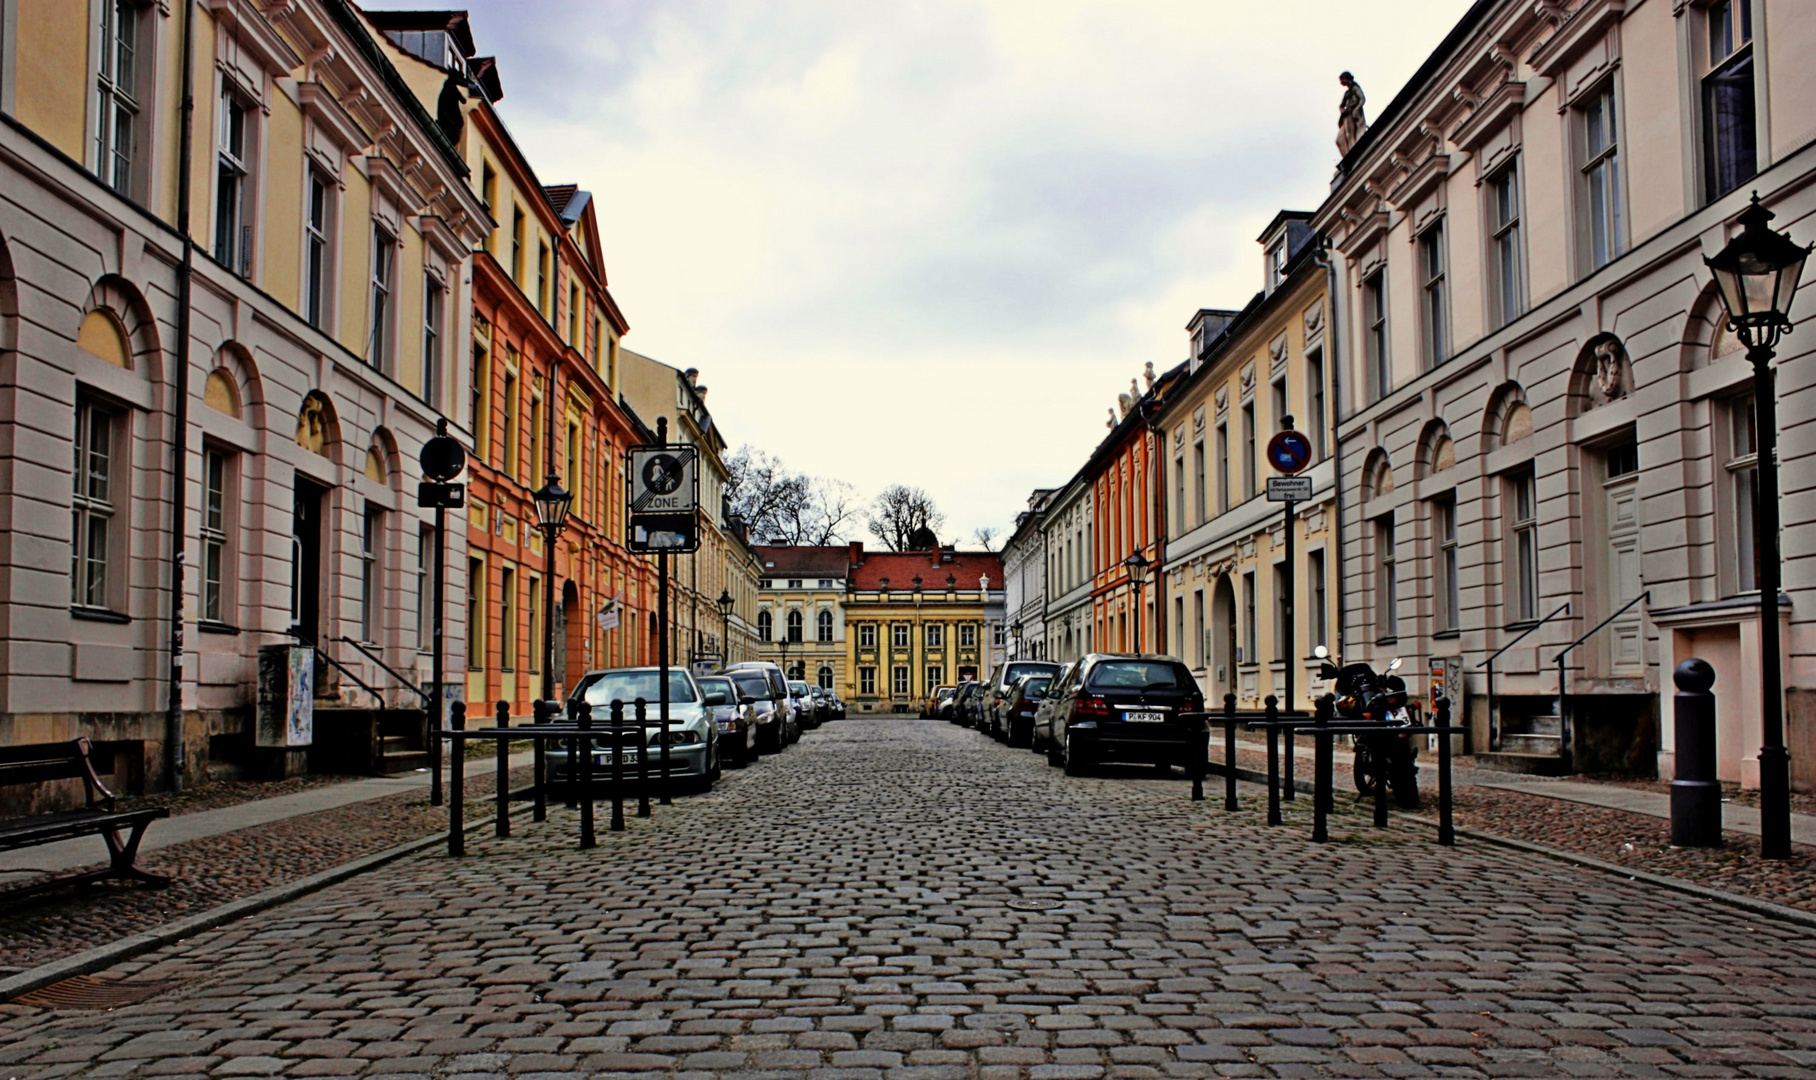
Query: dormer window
point(1276, 263)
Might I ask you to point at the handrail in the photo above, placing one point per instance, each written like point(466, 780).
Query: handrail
point(1566, 737)
point(406, 683)
point(1647, 595)
point(1494, 718)
point(338, 666)
point(1497, 653)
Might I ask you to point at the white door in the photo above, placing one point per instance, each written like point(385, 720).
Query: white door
point(1620, 503)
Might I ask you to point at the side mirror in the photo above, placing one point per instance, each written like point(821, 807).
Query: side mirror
point(1394, 664)
point(746, 699)
point(715, 698)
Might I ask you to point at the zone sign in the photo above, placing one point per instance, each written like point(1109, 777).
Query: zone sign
point(664, 480)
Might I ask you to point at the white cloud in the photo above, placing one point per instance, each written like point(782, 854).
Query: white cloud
point(929, 242)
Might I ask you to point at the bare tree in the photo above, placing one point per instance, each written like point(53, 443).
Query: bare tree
point(900, 513)
point(985, 537)
point(784, 506)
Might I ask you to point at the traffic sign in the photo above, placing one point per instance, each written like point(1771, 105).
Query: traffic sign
point(664, 479)
point(442, 458)
point(1289, 452)
point(445, 496)
point(1289, 488)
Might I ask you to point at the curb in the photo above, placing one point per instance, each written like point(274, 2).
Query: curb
point(105, 956)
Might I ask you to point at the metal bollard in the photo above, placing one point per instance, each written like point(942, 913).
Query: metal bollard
point(1447, 832)
point(502, 825)
point(583, 724)
point(617, 765)
point(1287, 790)
point(1695, 793)
point(1273, 760)
point(668, 797)
point(573, 756)
point(1201, 761)
point(457, 776)
point(1321, 769)
point(1229, 753)
point(1383, 758)
point(642, 759)
point(539, 810)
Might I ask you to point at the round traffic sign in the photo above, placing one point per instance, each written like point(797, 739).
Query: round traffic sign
point(1289, 451)
point(663, 473)
point(442, 458)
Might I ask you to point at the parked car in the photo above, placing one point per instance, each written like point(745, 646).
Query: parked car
point(942, 703)
point(693, 740)
point(1018, 711)
point(773, 709)
point(993, 706)
point(807, 708)
point(961, 704)
point(837, 703)
point(732, 715)
point(1043, 715)
point(822, 705)
point(1126, 708)
point(930, 704)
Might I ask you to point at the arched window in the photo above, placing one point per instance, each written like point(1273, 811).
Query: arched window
point(824, 629)
point(766, 626)
point(797, 672)
point(794, 625)
point(825, 676)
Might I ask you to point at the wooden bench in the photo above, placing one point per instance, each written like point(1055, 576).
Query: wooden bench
point(68, 761)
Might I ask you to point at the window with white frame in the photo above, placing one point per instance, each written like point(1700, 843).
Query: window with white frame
point(1506, 268)
point(766, 626)
point(1743, 480)
point(217, 568)
point(996, 634)
point(233, 185)
point(1444, 530)
point(1598, 150)
point(425, 603)
point(967, 635)
point(1434, 306)
point(434, 302)
point(824, 676)
point(1198, 480)
point(533, 605)
point(1320, 623)
point(371, 567)
point(1374, 335)
point(92, 520)
point(867, 636)
point(898, 636)
point(1251, 623)
point(1314, 402)
point(822, 630)
point(1523, 541)
point(1248, 450)
point(936, 676)
point(1730, 113)
point(898, 681)
point(1282, 648)
point(384, 254)
point(507, 619)
point(1223, 467)
point(318, 253)
point(794, 626)
point(117, 106)
point(1387, 581)
point(935, 634)
point(867, 681)
point(476, 606)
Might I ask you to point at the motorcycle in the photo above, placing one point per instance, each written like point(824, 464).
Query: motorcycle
point(1389, 757)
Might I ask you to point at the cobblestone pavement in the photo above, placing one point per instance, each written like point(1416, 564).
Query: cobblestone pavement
point(857, 911)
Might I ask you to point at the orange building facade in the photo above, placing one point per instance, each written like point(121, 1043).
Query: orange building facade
point(1127, 518)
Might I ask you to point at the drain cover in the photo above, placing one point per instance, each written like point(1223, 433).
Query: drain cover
point(1034, 903)
point(88, 992)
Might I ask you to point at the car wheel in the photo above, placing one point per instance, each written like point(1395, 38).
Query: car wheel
point(716, 769)
point(1076, 763)
point(1055, 755)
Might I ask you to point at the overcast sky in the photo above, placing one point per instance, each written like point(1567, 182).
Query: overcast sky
point(930, 242)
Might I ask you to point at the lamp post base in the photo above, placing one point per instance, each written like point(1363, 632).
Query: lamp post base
point(1774, 802)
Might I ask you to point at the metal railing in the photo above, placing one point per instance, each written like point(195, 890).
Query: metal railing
point(1494, 716)
point(338, 666)
point(393, 672)
point(1566, 743)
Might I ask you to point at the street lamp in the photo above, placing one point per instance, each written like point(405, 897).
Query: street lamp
point(1137, 566)
point(552, 504)
point(725, 606)
point(1015, 631)
point(1757, 276)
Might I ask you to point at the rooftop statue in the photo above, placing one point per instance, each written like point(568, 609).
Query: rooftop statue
point(1351, 123)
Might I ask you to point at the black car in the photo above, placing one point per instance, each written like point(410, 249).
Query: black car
point(1128, 709)
point(1018, 711)
point(961, 704)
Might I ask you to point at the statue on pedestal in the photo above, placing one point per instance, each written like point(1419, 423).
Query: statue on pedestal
point(1351, 122)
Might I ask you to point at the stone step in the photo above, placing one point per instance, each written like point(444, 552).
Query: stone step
point(1514, 762)
point(405, 761)
point(1534, 743)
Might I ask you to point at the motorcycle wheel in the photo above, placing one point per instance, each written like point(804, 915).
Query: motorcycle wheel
point(1367, 770)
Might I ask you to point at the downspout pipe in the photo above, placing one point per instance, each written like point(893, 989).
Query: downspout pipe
point(1332, 322)
point(175, 755)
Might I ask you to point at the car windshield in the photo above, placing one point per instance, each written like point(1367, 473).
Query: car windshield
point(628, 686)
point(1137, 675)
point(799, 689)
point(715, 686)
point(752, 685)
point(1035, 687)
point(1018, 670)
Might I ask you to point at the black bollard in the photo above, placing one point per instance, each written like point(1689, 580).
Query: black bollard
point(1321, 770)
point(457, 780)
point(668, 797)
point(617, 765)
point(1382, 755)
point(1695, 793)
point(642, 759)
point(573, 756)
point(1229, 753)
point(502, 825)
point(1273, 759)
point(1447, 832)
point(1287, 763)
point(539, 810)
point(1201, 759)
point(583, 734)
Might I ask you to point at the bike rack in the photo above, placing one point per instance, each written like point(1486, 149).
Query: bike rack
point(1566, 737)
point(1494, 718)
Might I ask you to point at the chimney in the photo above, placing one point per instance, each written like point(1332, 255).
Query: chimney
point(857, 553)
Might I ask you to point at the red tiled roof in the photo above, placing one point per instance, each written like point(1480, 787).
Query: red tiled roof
point(789, 561)
point(965, 567)
point(559, 194)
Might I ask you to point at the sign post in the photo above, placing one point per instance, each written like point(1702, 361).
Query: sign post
point(442, 459)
point(1289, 452)
point(664, 495)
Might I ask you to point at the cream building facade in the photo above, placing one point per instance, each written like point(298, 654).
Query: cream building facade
point(1067, 528)
point(800, 618)
point(299, 367)
point(1540, 405)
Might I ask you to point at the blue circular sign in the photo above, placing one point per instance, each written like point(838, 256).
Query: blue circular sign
point(1289, 452)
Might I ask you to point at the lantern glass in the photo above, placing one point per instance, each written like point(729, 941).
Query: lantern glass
point(1137, 565)
point(552, 504)
point(1757, 275)
point(725, 603)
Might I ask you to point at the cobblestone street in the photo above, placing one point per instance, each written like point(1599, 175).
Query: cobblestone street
point(858, 909)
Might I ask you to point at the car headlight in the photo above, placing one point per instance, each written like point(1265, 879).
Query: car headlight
point(680, 738)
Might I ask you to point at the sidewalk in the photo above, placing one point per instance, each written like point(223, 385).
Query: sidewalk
point(70, 855)
point(1740, 819)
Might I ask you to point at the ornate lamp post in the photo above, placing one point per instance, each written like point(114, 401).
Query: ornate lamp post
point(1757, 275)
point(1015, 632)
point(1137, 566)
point(552, 504)
point(725, 605)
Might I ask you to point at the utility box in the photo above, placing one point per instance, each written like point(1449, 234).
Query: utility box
point(286, 718)
point(1447, 681)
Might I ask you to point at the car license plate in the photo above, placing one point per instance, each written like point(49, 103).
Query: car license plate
point(1144, 717)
